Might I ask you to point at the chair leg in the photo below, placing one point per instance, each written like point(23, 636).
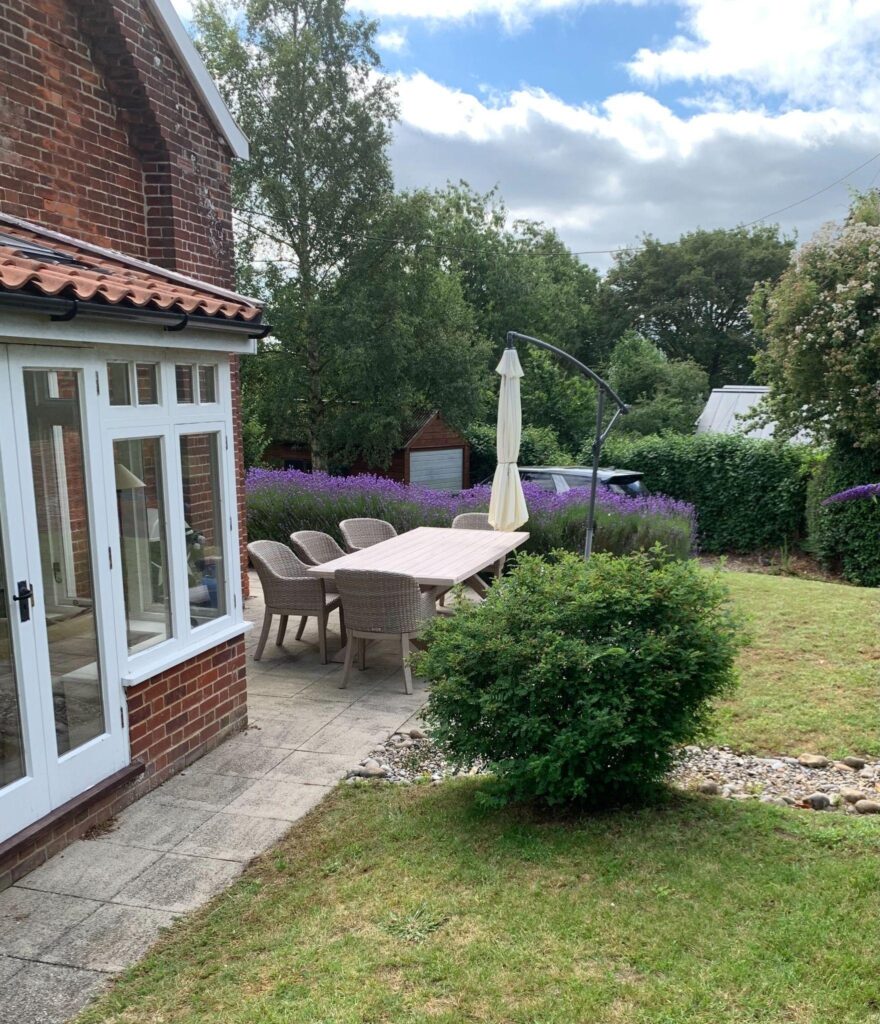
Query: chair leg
point(407, 671)
point(349, 657)
point(302, 626)
point(282, 628)
point(322, 636)
point(264, 635)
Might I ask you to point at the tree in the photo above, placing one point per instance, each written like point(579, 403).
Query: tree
point(664, 395)
point(299, 76)
point(690, 297)
point(821, 325)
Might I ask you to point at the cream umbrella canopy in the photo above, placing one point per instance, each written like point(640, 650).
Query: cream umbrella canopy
point(507, 506)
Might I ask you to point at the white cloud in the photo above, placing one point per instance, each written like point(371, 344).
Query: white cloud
point(394, 40)
point(604, 174)
point(513, 13)
point(815, 52)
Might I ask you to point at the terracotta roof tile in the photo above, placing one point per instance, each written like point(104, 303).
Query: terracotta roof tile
point(90, 274)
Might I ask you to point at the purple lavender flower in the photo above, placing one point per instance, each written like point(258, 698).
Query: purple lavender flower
point(860, 493)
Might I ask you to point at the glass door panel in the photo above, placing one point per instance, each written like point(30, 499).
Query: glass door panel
point(61, 496)
point(12, 758)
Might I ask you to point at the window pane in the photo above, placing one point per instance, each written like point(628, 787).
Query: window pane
point(184, 375)
point(120, 388)
point(66, 572)
point(147, 384)
point(207, 384)
point(203, 520)
point(140, 506)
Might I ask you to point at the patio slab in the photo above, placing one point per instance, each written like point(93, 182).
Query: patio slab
point(99, 905)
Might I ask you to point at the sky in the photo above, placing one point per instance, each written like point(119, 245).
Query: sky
point(609, 119)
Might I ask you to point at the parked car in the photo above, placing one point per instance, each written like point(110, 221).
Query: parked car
point(564, 478)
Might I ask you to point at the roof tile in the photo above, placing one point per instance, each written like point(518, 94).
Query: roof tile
point(100, 276)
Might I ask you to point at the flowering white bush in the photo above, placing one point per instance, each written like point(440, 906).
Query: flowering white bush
point(821, 325)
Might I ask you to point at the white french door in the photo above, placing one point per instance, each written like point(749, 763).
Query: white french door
point(62, 724)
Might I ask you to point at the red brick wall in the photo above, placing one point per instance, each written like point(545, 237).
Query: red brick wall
point(175, 718)
point(103, 136)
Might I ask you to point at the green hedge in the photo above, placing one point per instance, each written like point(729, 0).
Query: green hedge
point(749, 494)
point(539, 447)
point(845, 536)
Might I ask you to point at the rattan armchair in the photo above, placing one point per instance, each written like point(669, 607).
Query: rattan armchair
point(288, 589)
point(314, 547)
point(478, 521)
point(381, 606)
point(364, 533)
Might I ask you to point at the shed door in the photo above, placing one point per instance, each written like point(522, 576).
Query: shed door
point(440, 470)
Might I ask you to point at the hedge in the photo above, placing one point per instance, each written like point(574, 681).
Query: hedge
point(845, 536)
point(749, 494)
point(282, 501)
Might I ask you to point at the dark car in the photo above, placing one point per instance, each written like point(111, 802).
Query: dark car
point(564, 478)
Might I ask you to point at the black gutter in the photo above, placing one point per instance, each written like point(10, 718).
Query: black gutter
point(67, 309)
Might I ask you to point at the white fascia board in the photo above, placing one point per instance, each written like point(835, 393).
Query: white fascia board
point(192, 63)
point(83, 332)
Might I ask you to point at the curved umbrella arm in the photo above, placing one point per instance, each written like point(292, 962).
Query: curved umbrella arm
point(622, 407)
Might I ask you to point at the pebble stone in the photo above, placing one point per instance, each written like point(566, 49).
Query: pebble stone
point(868, 806)
point(713, 771)
point(856, 763)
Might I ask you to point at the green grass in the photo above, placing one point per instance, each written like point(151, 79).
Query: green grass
point(810, 678)
point(392, 905)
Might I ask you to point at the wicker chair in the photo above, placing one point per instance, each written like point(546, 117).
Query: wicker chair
point(364, 533)
point(476, 521)
point(381, 606)
point(288, 589)
point(314, 547)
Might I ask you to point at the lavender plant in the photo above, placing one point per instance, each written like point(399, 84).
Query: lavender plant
point(282, 501)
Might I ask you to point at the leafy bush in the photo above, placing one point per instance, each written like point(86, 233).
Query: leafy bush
point(281, 501)
point(748, 493)
point(845, 535)
point(575, 681)
point(539, 447)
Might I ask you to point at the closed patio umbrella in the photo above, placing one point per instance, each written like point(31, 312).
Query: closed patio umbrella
point(507, 507)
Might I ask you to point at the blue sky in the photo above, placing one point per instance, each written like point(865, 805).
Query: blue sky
point(611, 118)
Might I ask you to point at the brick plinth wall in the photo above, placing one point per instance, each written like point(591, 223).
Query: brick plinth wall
point(174, 718)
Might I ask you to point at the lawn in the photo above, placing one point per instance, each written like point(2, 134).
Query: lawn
point(810, 678)
point(410, 904)
point(402, 905)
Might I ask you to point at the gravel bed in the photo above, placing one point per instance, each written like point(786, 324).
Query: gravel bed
point(810, 781)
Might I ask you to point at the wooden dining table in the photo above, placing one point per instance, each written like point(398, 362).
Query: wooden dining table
point(437, 558)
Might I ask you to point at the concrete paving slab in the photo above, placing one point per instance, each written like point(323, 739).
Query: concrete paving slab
point(154, 824)
point(8, 967)
point(316, 769)
point(33, 920)
point(112, 938)
point(93, 870)
point(47, 994)
point(178, 884)
point(273, 798)
point(290, 709)
point(277, 684)
point(240, 756)
point(201, 790)
point(234, 837)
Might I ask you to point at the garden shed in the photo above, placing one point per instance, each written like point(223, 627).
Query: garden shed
point(434, 455)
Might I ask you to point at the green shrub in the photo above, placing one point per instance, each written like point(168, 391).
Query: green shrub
point(749, 494)
point(845, 537)
point(539, 446)
point(575, 681)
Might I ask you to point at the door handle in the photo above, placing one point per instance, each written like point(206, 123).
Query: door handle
point(25, 597)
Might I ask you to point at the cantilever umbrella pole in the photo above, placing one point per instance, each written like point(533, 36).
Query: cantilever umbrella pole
point(605, 390)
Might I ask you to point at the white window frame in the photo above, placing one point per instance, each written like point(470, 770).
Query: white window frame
point(169, 421)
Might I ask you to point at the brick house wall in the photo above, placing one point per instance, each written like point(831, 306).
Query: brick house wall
point(103, 137)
